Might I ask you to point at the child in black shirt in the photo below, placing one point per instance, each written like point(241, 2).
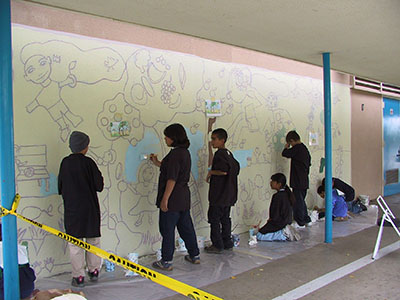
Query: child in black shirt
point(222, 193)
point(353, 206)
point(299, 169)
point(278, 226)
point(342, 186)
point(79, 180)
point(173, 198)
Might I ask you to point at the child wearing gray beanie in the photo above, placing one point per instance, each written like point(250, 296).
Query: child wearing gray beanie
point(78, 141)
point(79, 180)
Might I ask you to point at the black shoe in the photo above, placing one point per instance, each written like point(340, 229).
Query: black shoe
point(194, 260)
point(363, 207)
point(162, 265)
point(228, 246)
point(93, 276)
point(78, 281)
point(213, 249)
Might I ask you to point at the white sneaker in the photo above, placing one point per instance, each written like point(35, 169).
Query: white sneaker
point(291, 233)
point(288, 233)
point(296, 234)
point(295, 225)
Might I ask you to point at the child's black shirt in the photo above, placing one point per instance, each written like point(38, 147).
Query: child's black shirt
point(299, 166)
point(175, 166)
point(224, 188)
point(79, 180)
point(280, 213)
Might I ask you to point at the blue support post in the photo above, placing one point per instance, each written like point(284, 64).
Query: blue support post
point(7, 172)
point(328, 147)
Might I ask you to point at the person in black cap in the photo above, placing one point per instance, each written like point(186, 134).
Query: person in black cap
point(79, 180)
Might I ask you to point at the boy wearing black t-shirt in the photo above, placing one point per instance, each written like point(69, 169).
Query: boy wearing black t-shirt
point(300, 162)
point(222, 193)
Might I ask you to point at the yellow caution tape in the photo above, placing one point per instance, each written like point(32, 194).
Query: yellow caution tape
point(173, 284)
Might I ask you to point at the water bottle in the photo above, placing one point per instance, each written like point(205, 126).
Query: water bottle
point(110, 266)
point(236, 240)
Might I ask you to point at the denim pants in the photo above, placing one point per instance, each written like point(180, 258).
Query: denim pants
point(272, 236)
point(300, 213)
point(183, 222)
point(354, 207)
point(27, 279)
point(220, 223)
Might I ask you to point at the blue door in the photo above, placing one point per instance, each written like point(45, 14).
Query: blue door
point(391, 151)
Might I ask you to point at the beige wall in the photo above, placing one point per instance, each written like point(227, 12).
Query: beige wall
point(366, 143)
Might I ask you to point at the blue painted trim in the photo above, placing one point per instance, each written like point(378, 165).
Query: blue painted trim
point(7, 171)
point(391, 138)
point(328, 147)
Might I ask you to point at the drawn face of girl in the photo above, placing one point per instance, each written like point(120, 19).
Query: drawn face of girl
point(37, 69)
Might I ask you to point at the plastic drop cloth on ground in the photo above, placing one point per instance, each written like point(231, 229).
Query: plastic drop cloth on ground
point(213, 267)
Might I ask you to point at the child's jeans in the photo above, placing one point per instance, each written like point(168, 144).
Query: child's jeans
point(26, 281)
point(272, 236)
point(354, 207)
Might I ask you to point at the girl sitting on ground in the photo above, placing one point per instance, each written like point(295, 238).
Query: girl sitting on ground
point(278, 226)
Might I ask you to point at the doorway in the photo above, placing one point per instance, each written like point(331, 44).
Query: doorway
point(391, 149)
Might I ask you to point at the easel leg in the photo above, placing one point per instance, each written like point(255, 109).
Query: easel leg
point(378, 239)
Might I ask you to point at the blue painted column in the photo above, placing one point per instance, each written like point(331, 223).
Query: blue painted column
point(7, 172)
point(328, 147)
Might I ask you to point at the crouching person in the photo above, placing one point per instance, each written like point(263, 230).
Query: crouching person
point(26, 274)
point(278, 226)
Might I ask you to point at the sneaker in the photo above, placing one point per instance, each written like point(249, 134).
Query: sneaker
point(363, 207)
point(163, 265)
point(288, 233)
point(93, 276)
point(78, 281)
point(296, 234)
point(213, 249)
point(194, 260)
point(296, 225)
point(228, 246)
point(291, 233)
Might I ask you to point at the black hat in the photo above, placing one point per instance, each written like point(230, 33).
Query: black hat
point(78, 141)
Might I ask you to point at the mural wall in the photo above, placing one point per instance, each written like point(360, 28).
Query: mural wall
point(67, 82)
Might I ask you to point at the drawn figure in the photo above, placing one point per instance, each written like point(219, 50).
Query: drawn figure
point(55, 65)
point(153, 86)
point(37, 70)
point(31, 169)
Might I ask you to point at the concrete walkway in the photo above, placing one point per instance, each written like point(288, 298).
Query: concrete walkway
point(270, 270)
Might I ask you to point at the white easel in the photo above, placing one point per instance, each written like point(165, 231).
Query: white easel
point(387, 216)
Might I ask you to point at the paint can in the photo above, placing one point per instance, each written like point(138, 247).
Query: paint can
point(364, 199)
